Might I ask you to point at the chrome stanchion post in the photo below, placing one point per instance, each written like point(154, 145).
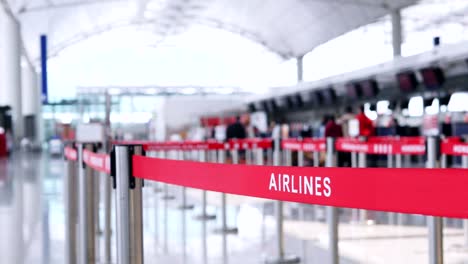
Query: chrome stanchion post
point(156, 213)
point(300, 158)
point(354, 160)
point(248, 156)
point(260, 161)
point(136, 213)
point(269, 155)
point(129, 208)
point(300, 163)
point(398, 164)
point(362, 163)
point(332, 212)
point(96, 192)
point(354, 164)
point(259, 156)
point(184, 205)
point(398, 161)
point(391, 216)
point(316, 156)
point(107, 219)
point(316, 163)
point(82, 213)
point(235, 156)
point(122, 202)
point(165, 220)
point(86, 211)
point(166, 196)
point(465, 222)
point(281, 258)
point(435, 224)
point(224, 230)
point(443, 161)
point(224, 226)
point(302, 207)
point(72, 213)
point(107, 186)
point(204, 215)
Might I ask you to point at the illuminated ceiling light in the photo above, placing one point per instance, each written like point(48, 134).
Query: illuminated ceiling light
point(114, 91)
point(188, 90)
point(225, 90)
point(151, 91)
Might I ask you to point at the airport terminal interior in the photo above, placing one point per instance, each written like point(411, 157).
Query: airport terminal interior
point(233, 131)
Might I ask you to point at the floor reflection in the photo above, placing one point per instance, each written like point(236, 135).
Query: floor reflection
point(32, 225)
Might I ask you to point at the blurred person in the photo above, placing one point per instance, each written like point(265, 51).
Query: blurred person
point(335, 130)
point(348, 115)
point(256, 132)
point(324, 122)
point(275, 130)
point(399, 130)
point(344, 120)
point(9, 141)
point(306, 132)
point(366, 130)
point(366, 126)
point(332, 128)
point(236, 130)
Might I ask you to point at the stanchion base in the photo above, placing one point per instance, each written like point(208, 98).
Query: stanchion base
point(168, 197)
point(186, 206)
point(291, 259)
point(205, 217)
point(227, 230)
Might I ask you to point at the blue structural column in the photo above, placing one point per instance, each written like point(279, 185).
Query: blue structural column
point(44, 84)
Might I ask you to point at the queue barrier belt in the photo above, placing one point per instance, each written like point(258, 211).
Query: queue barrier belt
point(97, 161)
point(307, 144)
point(437, 192)
point(241, 144)
point(404, 146)
point(454, 148)
point(70, 153)
point(374, 145)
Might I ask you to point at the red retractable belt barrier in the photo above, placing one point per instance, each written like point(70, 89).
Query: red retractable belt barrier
point(314, 144)
point(97, 161)
point(454, 147)
point(384, 145)
point(307, 144)
point(162, 146)
point(291, 144)
point(202, 145)
point(438, 192)
point(70, 153)
point(249, 143)
point(182, 145)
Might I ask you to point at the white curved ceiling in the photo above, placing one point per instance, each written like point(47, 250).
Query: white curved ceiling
point(288, 28)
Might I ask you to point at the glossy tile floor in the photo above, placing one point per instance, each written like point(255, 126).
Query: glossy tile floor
point(32, 226)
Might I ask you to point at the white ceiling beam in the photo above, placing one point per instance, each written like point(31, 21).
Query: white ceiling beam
point(40, 8)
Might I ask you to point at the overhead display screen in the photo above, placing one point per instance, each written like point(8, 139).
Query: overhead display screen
point(317, 97)
point(353, 90)
point(433, 77)
point(407, 81)
point(329, 96)
point(369, 88)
